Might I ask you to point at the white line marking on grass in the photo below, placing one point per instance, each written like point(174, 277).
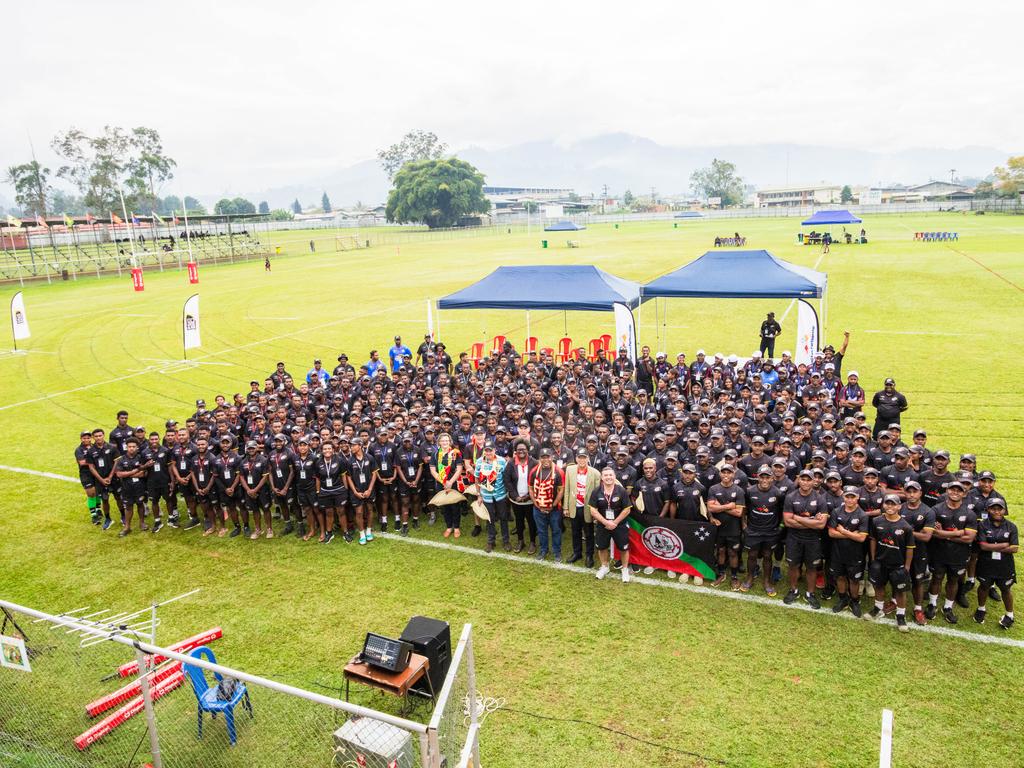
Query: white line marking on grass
point(133, 314)
point(9, 353)
point(792, 302)
point(37, 473)
point(745, 597)
point(922, 333)
point(151, 369)
point(256, 317)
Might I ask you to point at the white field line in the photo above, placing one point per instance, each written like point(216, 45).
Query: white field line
point(257, 317)
point(921, 333)
point(792, 302)
point(153, 369)
point(745, 597)
point(8, 353)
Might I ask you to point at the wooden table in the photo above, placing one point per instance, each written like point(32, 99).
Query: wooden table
point(396, 683)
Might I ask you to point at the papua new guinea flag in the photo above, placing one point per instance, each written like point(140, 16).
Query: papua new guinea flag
point(672, 545)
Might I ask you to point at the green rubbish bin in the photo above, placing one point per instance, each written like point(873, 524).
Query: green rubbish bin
point(543, 243)
point(675, 225)
point(616, 226)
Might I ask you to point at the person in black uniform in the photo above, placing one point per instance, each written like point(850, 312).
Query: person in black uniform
point(998, 540)
point(156, 461)
point(892, 552)
point(202, 471)
point(726, 502)
point(609, 507)
point(331, 493)
point(922, 520)
point(409, 464)
point(950, 548)
point(383, 452)
point(254, 474)
point(182, 454)
point(85, 476)
point(228, 490)
point(306, 477)
point(362, 480)
point(280, 489)
point(761, 534)
point(129, 471)
point(100, 460)
point(888, 405)
point(847, 528)
point(770, 329)
point(804, 512)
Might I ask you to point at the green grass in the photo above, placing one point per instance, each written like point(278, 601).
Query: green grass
point(748, 684)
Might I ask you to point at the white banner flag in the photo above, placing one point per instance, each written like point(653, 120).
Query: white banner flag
point(625, 332)
point(19, 320)
point(806, 333)
point(190, 322)
point(430, 318)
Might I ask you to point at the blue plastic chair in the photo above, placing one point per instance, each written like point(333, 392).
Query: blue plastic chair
point(206, 695)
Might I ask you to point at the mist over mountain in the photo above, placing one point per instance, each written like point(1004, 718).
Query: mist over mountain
point(624, 161)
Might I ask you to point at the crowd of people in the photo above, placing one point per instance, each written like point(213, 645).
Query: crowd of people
point(780, 457)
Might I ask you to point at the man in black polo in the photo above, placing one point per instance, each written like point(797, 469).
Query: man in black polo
point(726, 503)
point(847, 529)
point(888, 404)
point(998, 540)
point(950, 548)
point(764, 516)
point(805, 513)
point(892, 551)
point(770, 329)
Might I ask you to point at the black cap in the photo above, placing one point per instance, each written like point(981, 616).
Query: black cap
point(890, 381)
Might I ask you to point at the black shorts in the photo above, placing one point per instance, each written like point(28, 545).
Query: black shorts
point(403, 490)
point(332, 499)
point(1003, 581)
point(999, 572)
point(306, 498)
point(161, 491)
point(728, 542)
point(603, 537)
point(762, 543)
point(356, 502)
point(186, 490)
point(132, 493)
point(920, 571)
point(384, 490)
point(881, 574)
point(87, 480)
point(261, 500)
point(942, 568)
point(233, 497)
point(272, 494)
point(209, 497)
point(844, 569)
point(803, 551)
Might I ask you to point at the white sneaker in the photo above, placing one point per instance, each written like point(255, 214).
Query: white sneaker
point(698, 580)
point(648, 571)
point(603, 571)
point(673, 575)
point(625, 575)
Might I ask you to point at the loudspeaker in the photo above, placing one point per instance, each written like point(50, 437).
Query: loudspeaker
point(431, 638)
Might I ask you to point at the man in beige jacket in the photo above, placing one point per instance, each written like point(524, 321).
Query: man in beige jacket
point(581, 480)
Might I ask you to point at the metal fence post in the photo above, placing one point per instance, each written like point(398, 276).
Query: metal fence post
point(147, 703)
point(471, 684)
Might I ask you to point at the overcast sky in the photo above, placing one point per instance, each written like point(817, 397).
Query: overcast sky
point(250, 95)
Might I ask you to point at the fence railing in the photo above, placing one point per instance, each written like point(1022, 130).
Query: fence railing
point(77, 701)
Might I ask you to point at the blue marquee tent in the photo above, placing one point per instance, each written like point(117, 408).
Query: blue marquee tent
point(831, 217)
point(738, 275)
point(689, 215)
point(564, 226)
point(565, 287)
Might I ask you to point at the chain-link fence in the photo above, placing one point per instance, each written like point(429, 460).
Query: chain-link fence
point(71, 696)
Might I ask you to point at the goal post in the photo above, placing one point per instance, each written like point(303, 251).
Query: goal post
point(348, 242)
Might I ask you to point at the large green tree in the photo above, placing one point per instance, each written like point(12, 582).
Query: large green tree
point(846, 194)
point(114, 161)
point(296, 206)
point(718, 180)
point(32, 189)
point(1010, 177)
point(436, 192)
point(325, 203)
point(231, 207)
point(415, 145)
point(264, 207)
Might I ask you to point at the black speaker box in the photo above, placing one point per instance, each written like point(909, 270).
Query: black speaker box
point(431, 638)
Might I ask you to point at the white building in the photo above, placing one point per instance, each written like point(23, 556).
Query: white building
point(811, 194)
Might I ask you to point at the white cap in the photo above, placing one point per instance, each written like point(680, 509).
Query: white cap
point(787, 353)
point(733, 359)
point(719, 355)
point(853, 373)
point(701, 352)
point(755, 354)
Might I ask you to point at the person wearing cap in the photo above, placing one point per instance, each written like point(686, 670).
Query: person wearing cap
point(517, 481)
point(581, 480)
point(332, 493)
point(409, 462)
point(998, 541)
point(922, 520)
point(489, 472)
point(652, 493)
point(545, 483)
point(770, 330)
point(426, 347)
point(203, 470)
point(317, 376)
point(609, 505)
point(894, 477)
point(306, 469)
point(254, 477)
point(847, 531)
point(804, 513)
point(398, 353)
point(156, 461)
point(888, 404)
point(851, 397)
point(763, 518)
point(934, 480)
point(892, 547)
point(383, 452)
point(128, 469)
point(950, 548)
point(228, 479)
point(182, 453)
point(871, 493)
point(726, 503)
point(362, 486)
point(280, 489)
point(86, 478)
point(646, 370)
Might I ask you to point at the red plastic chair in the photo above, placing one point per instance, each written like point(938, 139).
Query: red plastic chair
point(606, 342)
point(496, 344)
point(594, 346)
point(531, 345)
point(546, 352)
point(564, 350)
point(476, 353)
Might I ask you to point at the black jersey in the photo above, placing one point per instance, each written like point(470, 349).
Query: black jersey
point(253, 469)
point(202, 468)
point(159, 458)
point(933, 486)
point(804, 506)
point(655, 493)
point(103, 459)
point(384, 454)
point(128, 463)
point(279, 464)
point(82, 455)
point(871, 501)
point(896, 479)
point(730, 525)
point(626, 476)
point(892, 540)
point(227, 469)
point(990, 533)
point(361, 471)
point(764, 510)
point(848, 550)
point(331, 473)
point(306, 472)
point(949, 519)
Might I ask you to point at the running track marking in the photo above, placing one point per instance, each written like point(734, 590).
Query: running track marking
point(745, 597)
point(202, 357)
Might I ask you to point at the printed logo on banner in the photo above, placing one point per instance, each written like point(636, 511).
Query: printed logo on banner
point(662, 542)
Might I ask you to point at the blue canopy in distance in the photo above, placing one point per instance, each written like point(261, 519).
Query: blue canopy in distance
point(689, 215)
point(831, 217)
point(563, 226)
point(579, 287)
point(738, 275)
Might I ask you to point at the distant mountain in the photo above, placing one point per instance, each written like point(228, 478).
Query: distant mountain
point(623, 161)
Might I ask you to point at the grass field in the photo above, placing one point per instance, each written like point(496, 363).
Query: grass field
point(741, 682)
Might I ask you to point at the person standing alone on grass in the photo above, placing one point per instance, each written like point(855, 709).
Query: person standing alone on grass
point(888, 404)
point(770, 329)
